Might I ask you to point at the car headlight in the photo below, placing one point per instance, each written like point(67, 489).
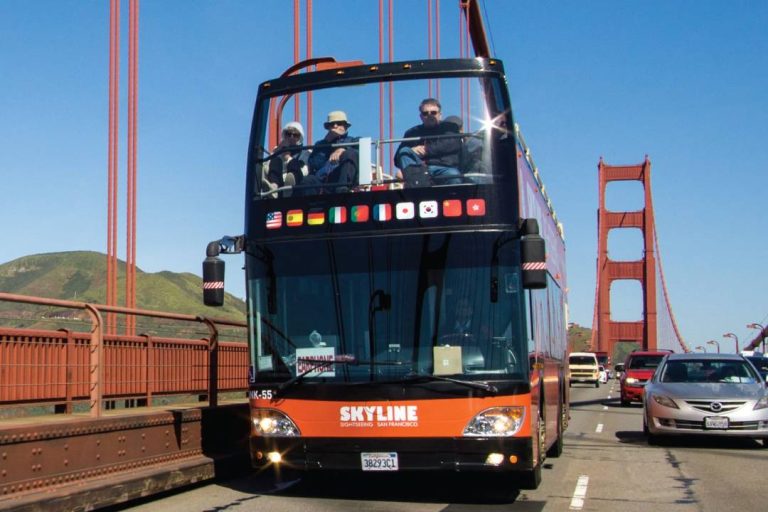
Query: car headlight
point(272, 423)
point(496, 422)
point(665, 401)
point(631, 380)
point(762, 403)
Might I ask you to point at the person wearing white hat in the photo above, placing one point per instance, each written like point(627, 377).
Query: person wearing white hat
point(289, 166)
point(331, 163)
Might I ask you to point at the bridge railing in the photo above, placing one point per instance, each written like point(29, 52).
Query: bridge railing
point(64, 367)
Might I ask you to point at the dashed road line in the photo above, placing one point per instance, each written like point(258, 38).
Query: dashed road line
point(599, 428)
point(580, 493)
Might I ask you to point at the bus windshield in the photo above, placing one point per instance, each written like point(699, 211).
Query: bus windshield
point(454, 139)
point(388, 308)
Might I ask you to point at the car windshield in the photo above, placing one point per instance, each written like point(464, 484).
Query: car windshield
point(582, 360)
point(644, 362)
point(761, 363)
point(709, 371)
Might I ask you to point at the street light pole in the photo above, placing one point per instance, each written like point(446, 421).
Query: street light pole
point(735, 338)
point(699, 347)
point(762, 332)
point(714, 342)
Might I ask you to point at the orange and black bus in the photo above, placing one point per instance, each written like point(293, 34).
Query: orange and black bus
point(398, 327)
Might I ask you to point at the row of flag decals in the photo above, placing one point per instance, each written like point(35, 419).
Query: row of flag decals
point(379, 213)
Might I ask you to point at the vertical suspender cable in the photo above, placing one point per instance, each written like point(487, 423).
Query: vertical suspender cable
point(133, 93)
point(467, 118)
point(379, 153)
point(391, 22)
point(437, 44)
point(114, 74)
point(296, 50)
point(461, 55)
point(309, 56)
point(429, 43)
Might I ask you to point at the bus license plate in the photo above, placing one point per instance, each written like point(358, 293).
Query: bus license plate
point(379, 461)
point(716, 422)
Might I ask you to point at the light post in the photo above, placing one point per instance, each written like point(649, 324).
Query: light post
point(762, 332)
point(699, 347)
point(714, 342)
point(735, 338)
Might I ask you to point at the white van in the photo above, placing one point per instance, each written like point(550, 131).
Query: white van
point(584, 368)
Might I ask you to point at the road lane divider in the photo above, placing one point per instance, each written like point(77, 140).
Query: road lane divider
point(580, 493)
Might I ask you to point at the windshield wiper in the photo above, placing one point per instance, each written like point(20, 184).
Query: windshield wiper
point(315, 364)
point(484, 386)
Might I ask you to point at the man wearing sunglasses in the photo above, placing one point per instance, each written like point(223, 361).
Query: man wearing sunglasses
point(330, 163)
point(431, 151)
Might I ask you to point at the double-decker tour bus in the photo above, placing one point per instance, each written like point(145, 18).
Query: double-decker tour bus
point(398, 325)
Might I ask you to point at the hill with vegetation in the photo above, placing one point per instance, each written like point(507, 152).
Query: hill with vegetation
point(578, 338)
point(81, 276)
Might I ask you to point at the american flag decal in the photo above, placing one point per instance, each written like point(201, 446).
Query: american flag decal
point(535, 265)
point(274, 220)
point(213, 285)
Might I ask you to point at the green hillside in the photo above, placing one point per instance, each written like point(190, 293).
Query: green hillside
point(81, 276)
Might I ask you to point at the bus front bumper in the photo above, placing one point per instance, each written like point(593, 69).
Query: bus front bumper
point(455, 454)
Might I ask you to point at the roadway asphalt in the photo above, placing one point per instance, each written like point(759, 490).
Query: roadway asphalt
point(607, 465)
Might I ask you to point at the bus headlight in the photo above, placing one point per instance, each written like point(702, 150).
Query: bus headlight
point(496, 421)
point(272, 423)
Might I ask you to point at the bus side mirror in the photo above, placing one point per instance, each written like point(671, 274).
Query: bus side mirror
point(213, 281)
point(213, 268)
point(533, 255)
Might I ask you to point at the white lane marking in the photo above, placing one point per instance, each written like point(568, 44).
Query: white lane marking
point(605, 407)
point(577, 502)
point(599, 428)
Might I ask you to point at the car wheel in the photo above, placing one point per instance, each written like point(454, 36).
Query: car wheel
point(624, 403)
point(765, 442)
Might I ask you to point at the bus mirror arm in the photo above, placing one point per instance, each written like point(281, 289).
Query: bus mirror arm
point(213, 268)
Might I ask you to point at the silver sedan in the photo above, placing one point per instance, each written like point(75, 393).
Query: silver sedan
point(706, 394)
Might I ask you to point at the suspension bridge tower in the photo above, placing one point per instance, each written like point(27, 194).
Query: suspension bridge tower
point(606, 332)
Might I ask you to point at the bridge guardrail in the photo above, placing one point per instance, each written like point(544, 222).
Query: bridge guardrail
point(62, 367)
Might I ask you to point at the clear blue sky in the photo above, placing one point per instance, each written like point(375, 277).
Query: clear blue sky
point(682, 81)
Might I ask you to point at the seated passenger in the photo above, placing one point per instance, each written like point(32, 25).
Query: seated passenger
point(471, 157)
point(429, 158)
point(333, 164)
point(290, 166)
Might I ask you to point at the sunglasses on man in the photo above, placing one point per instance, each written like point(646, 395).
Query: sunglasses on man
point(431, 113)
point(334, 124)
point(295, 135)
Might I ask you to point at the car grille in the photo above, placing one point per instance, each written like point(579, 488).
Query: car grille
point(699, 425)
point(706, 405)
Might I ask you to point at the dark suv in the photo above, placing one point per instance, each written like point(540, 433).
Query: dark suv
point(638, 368)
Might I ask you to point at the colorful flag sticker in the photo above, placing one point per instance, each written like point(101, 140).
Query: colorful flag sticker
point(337, 215)
point(382, 212)
point(360, 213)
point(452, 208)
point(274, 220)
point(475, 207)
point(315, 217)
point(404, 210)
point(428, 209)
point(294, 217)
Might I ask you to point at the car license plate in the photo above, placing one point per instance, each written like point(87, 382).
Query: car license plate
point(716, 422)
point(379, 461)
